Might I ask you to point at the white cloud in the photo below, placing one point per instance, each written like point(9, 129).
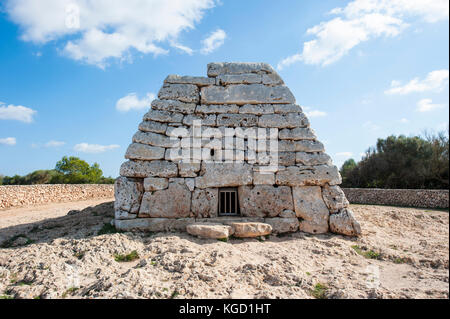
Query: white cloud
point(313, 113)
point(404, 120)
point(17, 113)
point(435, 81)
point(94, 31)
point(132, 102)
point(344, 154)
point(94, 148)
point(426, 105)
point(213, 41)
point(54, 144)
point(360, 21)
point(10, 141)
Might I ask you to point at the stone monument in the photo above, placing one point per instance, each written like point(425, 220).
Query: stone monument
point(229, 154)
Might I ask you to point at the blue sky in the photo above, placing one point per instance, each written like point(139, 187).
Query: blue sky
point(77, 75)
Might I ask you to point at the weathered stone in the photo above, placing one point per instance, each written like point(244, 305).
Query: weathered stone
point(345, 223)
point(260, 178)
point(283, 225)
point(334, 198)
point(237, 120)
point(226, 79)
point(300, 146)
point(247, 94)
point(147, 169)
point(128, 194)
point(256, 109)
point(287, 108)
point(190, 183)
point(163, 116)
point(155, 139)
point(286, 158)
point(224, 175)
point(264, 200)
point(288, 214)
point(138, 151)
point(212, 231)
point(209, 120)
point(249, 230)
point(187, 169)
point(173, 106)
point(122, 214)
point(151, 126)
point(215, 69)
point(297, 134)
point(289, 120)
point(205, 202)
point(155, 184)
point(272, 79)
point(174, 202)
point(310, 206)
point(219, 108)
point(196, 80)
point(188, 93)
point(311, 159)
point(154, 224)
point(308, 176)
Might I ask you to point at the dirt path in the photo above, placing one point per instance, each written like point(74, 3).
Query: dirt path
point(403, 253)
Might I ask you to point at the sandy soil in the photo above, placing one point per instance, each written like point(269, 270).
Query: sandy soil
point(46, 253)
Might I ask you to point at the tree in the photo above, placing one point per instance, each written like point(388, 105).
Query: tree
point(73, 170)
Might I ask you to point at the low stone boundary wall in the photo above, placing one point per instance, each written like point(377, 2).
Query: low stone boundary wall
point(29, 195)
point(422, 198)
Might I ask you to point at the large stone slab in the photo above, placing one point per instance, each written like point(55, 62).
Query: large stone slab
point(283, 225)
point(224, 175)
point(187, 169)
point(264, 200)
point(334, 198)
point(205, 202)
point(312, 159)
point(281, 121)
point(145, 169)
point(297, 134)
point(196, 80)
point(287, 108)
point(227, 79)
point(155, 139)
point(154, 224)
point(247, 94)
point(188, 93)
point(174, 106)
point(128, 194)
point(219, 108)
point(300, 146)
point(310, 206)
point(345, 223)
point(212, 231)
point(151, 126)
point(308, 176)
point(174, 202)
point(215, 69)
point(163, 116)
point(256, 109)
point(237, 120)
point(138, 151)
point(250, 230)
point(155, 184)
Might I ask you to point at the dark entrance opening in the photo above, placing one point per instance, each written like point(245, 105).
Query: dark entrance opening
point(228, 202)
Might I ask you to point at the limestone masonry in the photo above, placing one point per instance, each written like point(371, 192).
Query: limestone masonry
point(229, 154)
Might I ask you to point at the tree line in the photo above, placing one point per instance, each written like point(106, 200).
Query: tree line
point(69, 170)
point(418, 162)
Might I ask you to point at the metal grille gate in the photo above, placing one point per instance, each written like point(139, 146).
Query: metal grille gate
point(228, 202)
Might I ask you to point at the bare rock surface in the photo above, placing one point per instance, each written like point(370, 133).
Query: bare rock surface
point(249, 229)
point(72, 256)
point(213, 231)
point(310, 207)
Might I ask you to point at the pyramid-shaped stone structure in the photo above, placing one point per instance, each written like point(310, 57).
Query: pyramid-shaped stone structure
point(231, 149)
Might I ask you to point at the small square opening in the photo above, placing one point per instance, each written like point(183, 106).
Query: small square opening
point(228, 202)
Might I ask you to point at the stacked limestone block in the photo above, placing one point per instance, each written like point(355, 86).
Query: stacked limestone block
point(159, 191)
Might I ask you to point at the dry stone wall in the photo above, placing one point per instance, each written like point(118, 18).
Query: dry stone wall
point(423, 198)
point(29, 195)
point(240, 127)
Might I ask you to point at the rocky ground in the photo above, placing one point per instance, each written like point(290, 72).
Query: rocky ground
point(46, 253)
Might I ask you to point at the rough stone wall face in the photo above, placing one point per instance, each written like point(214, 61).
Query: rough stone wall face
point(422, 198)
point(286, 179)
point(29, 195)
